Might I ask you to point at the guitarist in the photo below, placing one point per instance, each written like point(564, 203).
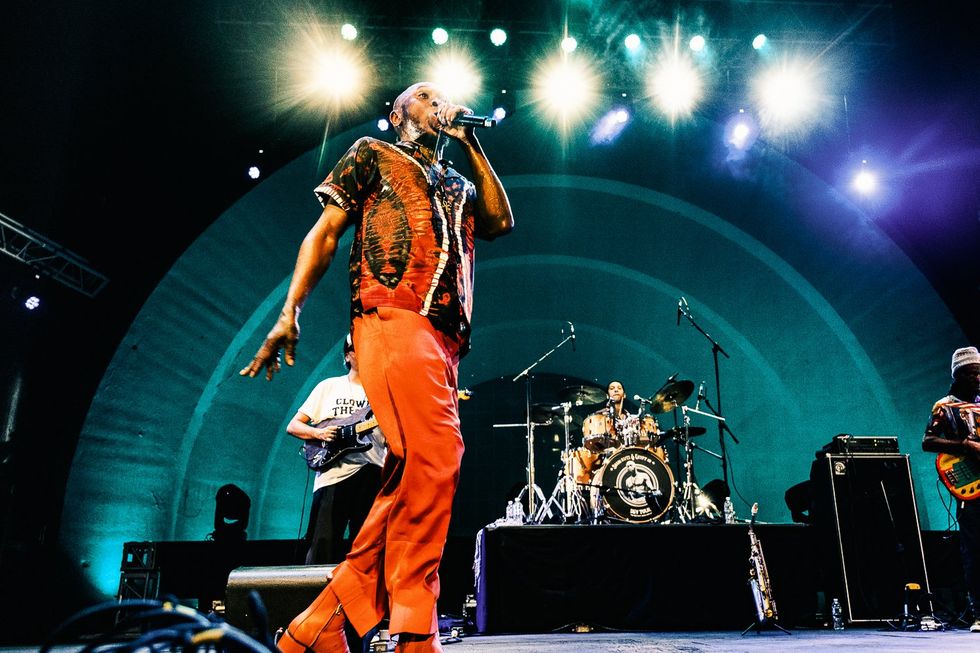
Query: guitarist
point(954, 428)
point(344, 492)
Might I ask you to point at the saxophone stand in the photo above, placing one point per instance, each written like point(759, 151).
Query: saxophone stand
point(533, 492)
point(573, 504)
point(765, 604)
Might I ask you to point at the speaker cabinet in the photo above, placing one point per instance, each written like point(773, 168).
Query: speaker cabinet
point(285, 592)
point(865, 512)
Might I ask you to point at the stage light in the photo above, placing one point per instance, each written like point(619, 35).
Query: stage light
point(325, 71)
point(565, 88)
point(499, 114)
point(759, 41)
point(383, 125)
point(440, 36)
point(786, 96)
point(32, 302)
point(254, 172)
point(741, 132)
point(231, 511)
point(609, 127)
point(865, 182)
point(498, 37)
point(696, 43)
point(455, 73)
point(348, 32)
point(675, 86)
point(568, 44)
point(632, 42)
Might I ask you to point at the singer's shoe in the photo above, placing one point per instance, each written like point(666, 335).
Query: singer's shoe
point(411, 643)
point(319, 628)
point(975, 627)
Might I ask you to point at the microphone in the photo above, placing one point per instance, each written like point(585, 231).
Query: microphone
point(697, 404)
point(470, 120)
point(681, 303)
point(641, 399)
point(571, 330)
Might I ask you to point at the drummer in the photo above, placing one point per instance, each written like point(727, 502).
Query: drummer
point(614, 426)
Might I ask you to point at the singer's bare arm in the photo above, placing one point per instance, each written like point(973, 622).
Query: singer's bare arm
point(493, 215)
point(315, 255)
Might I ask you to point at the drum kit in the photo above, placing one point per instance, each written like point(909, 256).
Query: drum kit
point(621, 471)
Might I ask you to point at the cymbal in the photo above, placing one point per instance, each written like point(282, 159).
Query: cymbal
point(543, 413)
point(671, 396)
point(579, 395)
point(678, 432)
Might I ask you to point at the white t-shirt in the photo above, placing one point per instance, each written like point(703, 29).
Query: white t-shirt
point(339, 397)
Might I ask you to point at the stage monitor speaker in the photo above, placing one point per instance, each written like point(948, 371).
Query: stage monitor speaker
point(285, 592)
point(865, 510)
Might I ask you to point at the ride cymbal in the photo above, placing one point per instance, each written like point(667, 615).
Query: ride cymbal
point(671, 396)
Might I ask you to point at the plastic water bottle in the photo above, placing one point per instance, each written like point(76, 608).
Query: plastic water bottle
point(729, 511)
point(836, 615)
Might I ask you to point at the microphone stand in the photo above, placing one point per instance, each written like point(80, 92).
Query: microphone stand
point(685, 310)
point(533, 490)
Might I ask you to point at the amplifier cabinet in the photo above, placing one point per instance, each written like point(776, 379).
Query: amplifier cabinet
point(285, 592)
point(865, 511)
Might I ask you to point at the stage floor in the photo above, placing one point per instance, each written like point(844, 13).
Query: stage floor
point(852, 639)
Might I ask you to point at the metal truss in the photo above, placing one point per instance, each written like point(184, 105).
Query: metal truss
point(49, 258)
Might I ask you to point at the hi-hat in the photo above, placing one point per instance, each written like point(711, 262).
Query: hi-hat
point(671, 396)
point(580, 395)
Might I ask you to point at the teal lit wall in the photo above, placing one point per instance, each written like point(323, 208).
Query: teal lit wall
point(812, 301)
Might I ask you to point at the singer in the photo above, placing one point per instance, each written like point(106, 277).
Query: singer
point(415, 220)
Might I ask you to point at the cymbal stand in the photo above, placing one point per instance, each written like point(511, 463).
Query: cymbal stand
point(533, 491)
point(574, 503)
point(690, 507)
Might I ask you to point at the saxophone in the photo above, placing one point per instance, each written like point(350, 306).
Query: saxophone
point(765, 606)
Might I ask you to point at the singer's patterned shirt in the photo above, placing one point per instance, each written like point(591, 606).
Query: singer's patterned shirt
point(953, 419)
point(414, 232)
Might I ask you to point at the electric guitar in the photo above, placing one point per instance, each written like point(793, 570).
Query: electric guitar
point(354, 433)
point(960, 475)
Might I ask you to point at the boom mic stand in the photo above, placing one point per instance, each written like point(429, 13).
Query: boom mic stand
point(533, 491)
point(685, 310)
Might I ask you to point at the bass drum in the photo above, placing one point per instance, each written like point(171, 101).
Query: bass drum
point(633, 485)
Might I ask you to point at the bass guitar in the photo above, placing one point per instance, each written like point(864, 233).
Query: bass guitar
point(960, 475)
point(354, 433)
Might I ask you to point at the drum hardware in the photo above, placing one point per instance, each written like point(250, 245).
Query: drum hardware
point(532, 491)
point(572, 502)
point(692, 505)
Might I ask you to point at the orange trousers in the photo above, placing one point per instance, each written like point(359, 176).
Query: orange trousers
point(409, 373)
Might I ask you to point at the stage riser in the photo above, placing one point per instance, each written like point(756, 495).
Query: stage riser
point(638, 577)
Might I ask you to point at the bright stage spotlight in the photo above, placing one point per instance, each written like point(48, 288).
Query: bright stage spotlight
point(254, 172)
point(568, 44)
point(498, 37)
point(326, 72)
point(675, 86)
point(348, 32)
point(440, 36)
point(499, 113)
point(32, 302)
point(632, 42)
point(610, 126)
point(565, 88)
point(696, 43)
point(786, 96)
point(759, 41)
point(741, 132)
point(455, 73)
point(383, 124)
point(865, 181)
